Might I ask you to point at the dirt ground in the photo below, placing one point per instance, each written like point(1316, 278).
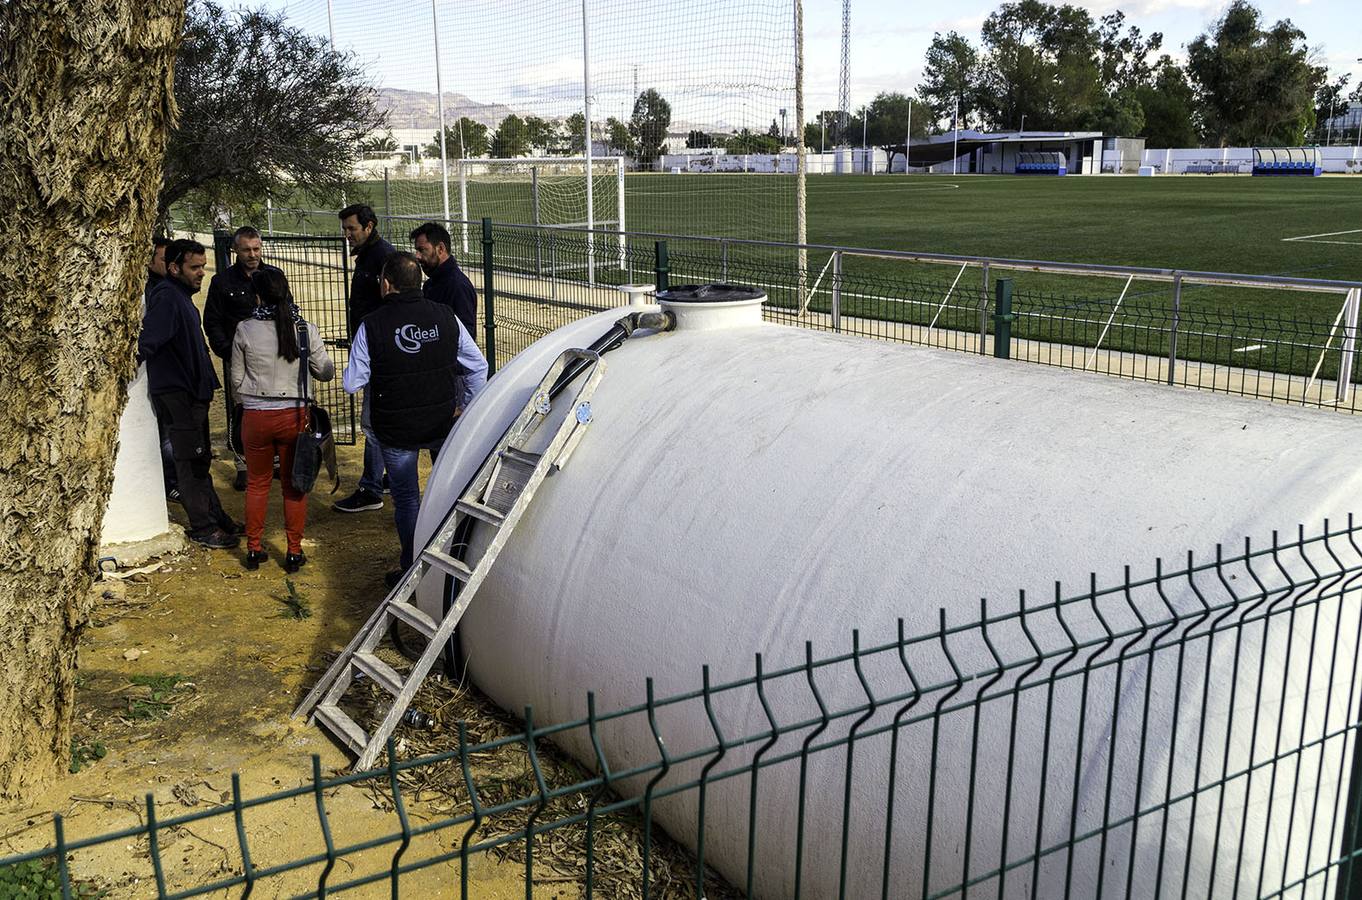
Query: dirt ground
point(190, 673)
point(222, 663)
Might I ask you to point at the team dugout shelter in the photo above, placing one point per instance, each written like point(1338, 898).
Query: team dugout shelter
point(1020, 152)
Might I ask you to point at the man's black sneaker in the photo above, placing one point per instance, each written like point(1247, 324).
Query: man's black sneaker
point(240, 483)
point(174, 494)
point(387, 488)
point(359, 501)
point(294, 561)
point(254, 558)
point(217, 539)
point(232, 527)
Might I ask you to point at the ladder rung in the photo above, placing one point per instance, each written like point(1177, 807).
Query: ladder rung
point(520, 456)
point(478, 511)
point(447, 564)
point(384, 675)
point(413, 617)
point(342, 726)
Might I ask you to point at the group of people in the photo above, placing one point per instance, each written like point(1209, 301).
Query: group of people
point(412, 356)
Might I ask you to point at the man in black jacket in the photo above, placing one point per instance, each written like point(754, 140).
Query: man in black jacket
point(370, 252)
point(231, 300)
point(181, 381)
point(156, 273)
point(445, 282)
point(156, 268)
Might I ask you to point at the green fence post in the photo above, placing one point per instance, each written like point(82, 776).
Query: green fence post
point(489, 305)
point(1002, 320)
point(222, 245)
point(660, 266)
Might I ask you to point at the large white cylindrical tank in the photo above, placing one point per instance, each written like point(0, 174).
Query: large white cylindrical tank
point(747, 487)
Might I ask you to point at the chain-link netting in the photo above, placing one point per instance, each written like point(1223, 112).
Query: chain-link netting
point(679, 92)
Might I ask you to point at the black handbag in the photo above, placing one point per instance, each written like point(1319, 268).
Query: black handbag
point(315, 443)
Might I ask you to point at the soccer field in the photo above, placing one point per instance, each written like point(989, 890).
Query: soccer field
point(1278, 226)
point(1311, 227)
point(1225, 224)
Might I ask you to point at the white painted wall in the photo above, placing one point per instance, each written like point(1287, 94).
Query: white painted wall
point(137, 503)
point(743, 491)
point(834, 162)
point(1174, 161)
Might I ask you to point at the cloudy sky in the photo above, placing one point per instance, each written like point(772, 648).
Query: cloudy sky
point(718, 61)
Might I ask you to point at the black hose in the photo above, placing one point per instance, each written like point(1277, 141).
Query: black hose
point(620, 332)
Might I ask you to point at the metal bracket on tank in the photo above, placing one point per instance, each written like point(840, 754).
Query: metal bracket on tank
point(583, 414)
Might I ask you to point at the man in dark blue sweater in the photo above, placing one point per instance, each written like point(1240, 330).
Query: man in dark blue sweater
point(181, 381)
point(445, 281)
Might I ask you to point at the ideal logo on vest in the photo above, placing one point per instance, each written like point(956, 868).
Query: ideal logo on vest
point(409, 338)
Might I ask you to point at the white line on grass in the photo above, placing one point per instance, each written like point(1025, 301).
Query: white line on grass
point(1248, 348)
point(1310, 238)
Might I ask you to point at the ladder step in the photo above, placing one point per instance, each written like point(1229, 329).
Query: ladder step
point(478, 511)
point(342, 726)
point(511, 477)
point(521, 456)
point(447, 564)
point(384, 675)
point(413, 617)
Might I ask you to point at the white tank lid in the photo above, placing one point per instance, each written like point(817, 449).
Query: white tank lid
point(709, 307)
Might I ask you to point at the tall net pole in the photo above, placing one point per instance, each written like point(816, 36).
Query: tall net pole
point(844, 84)
point(440, 96)
point(586, 141)
point(801, 158)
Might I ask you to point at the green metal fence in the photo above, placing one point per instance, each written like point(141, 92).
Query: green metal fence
point(1189, 733)
point(1288, 339)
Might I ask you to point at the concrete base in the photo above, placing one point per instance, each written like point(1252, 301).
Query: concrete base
point(135, 553)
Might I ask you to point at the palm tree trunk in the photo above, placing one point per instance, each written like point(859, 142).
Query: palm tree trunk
point(88, 102)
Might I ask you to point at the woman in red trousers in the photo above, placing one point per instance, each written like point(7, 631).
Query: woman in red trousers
point(265, 380)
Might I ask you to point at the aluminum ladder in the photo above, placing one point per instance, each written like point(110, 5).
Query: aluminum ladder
point(496, 497)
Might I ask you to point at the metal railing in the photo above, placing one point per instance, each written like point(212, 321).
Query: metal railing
point(1222, 332)
point(1189, 733)
point(1206, 330)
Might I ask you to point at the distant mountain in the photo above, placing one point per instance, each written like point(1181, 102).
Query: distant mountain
point(418, 109)
point(421, 110)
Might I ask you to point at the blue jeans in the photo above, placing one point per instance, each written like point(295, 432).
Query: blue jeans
point(371, 479)
point(404, 480)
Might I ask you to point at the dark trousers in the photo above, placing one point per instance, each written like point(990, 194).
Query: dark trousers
point(167, 455)
point(186, 420)
point(230, 401)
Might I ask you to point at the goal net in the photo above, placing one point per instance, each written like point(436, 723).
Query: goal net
point(553, 191)
point(577, 195)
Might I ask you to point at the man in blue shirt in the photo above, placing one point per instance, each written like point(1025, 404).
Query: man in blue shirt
point(181, 381)
point(421, 369)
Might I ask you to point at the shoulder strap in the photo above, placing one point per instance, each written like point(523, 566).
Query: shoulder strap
point(303, 372)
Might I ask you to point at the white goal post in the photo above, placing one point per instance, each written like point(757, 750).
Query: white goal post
point(556, 189)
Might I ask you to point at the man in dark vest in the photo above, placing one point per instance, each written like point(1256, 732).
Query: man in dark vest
point(181, 381)
point(445, 281)
point(231, 301)
point(370, 251)
point(421, 369)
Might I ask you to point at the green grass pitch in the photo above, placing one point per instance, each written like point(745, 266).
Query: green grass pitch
point(1309, 227)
